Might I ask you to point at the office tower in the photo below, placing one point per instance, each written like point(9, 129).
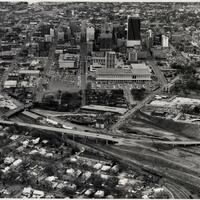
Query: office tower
point(110, 59)
point(165, 41)
point(149, 42)
point(106, 42)
point(83, 62)
point(90, 33)
point(107, 27)
point(133, 33)
point(132, 56)
point(150, 33)
point(157, 39)
point(68, 34)
point(45, 29)
point(90, 46)
point(61, 35)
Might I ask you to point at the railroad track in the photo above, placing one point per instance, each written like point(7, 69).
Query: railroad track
point(178, 191)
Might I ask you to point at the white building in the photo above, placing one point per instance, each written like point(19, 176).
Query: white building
point(10, 84)
point(90, 33)
point(52, 32)
point(48, 38)
point(136, 73)
point(165, 41)
point(141, 72)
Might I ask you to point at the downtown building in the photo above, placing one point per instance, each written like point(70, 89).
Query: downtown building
point(134, 73)
point(100, 60)
point(133, 32)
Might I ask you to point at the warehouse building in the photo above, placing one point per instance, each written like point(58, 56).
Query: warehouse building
point(139, 72)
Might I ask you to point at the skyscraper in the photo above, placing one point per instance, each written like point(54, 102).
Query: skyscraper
point(106, 41)
point(157, 39)
point(110, 59)
point(83, 61)
point(90, 33)
point(133, 33)
point(165, 41)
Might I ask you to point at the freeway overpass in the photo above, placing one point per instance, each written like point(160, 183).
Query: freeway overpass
point(136, 108)
point(106, 137)
point(64, 131)
point(19, 109)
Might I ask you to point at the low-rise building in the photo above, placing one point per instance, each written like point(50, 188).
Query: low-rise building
point(10, 84)
point(68, 61)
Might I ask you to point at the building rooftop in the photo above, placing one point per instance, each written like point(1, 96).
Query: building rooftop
point(140, 68)
point(106, 35)
point(112, 71)
point(29, 71)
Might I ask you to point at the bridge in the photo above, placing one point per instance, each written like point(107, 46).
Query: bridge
point(19, 109)
point(64, 131)
point(105, 137)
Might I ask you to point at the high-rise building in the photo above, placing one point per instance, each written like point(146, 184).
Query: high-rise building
point(106, 42)
point(157, 39)
point(110, 59)
point(132, 56)
point(149, 40)
point(150, 33)
point(52, 32)
point(133, 33)
point(89, 46)
point(45, 29)
point(165, 41)
point(68, 33)
point(83, 61)
point(107, 27)
point(61, 35)
point(90, 33)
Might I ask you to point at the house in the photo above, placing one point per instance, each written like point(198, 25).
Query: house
point(17, 162)
point(70, 172)
point(37, 194)
point(27, 192)
point(89, 192)
point(99, 194)
point(9, 160)
point(105, 168)
point(14, 137)
point(98, 166)
point(5, 170)
point(86, 175)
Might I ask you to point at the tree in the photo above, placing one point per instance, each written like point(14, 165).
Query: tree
point(185, 108)
point(112, 182)
point(50, 170)
point(138, 94)
point(97, 181)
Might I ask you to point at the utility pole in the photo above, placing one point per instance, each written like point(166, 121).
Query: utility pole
point(83, 62)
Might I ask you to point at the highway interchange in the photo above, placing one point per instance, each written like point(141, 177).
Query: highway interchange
point(106, 137)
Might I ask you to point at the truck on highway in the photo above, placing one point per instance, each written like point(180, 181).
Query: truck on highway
point(67, 127)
